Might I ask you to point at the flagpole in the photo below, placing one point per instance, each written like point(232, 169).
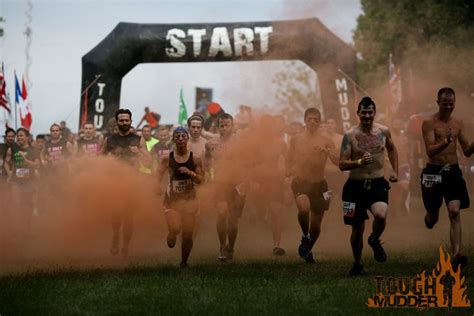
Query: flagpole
point(97, 77)
point(352, 81)
point(16, 117)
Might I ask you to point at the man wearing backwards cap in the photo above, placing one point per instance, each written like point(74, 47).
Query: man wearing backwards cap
point(179, 203)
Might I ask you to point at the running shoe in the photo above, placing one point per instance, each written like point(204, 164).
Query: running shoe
point(309, 258)
point(114, 249)
point(277, 251)
point(356, 269)
point(427, 222)
point(379, 252)
point(459, 260)
point(171, 240)
point(303, 249)
point(222, 257)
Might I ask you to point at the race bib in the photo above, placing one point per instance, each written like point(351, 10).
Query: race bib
point(22, 173)
point(349, 209)
point(327, 195)
point(181, 186)
point(429, 180)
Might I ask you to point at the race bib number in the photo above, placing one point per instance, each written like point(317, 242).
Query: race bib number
point(22, 173)
point(181, 186)
point(429, 180)
point(349, 209)
point(327, 195)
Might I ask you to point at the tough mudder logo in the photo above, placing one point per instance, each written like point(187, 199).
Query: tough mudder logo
point(441, 288)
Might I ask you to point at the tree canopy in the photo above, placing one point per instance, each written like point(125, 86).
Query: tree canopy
point(431, 38)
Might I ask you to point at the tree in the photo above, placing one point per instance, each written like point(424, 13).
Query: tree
point(296, 86)
point(1, 28)
point(430, 38)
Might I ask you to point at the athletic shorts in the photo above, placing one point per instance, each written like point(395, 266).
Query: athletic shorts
point(359, 195)
point(27, 187)
point(438, 182)
point(186, 203)
point(234, 200)
point(317, 192)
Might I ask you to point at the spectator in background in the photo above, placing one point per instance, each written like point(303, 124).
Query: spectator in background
point(150, 142)
point(39, 142)
point(210, 124)
point(163, 147)
point(10, 135)
point(65, 131)
point(243, 118)
point(89, 144)
point(152, 119)
point(112, 128)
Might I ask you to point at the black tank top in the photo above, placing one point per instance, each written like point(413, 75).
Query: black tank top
point(90, 148)
point(57, 152)
point(181, 184)
point(119, 146)
point(21, 170)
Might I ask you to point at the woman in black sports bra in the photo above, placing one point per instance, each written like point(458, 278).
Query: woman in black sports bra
point(180, 205)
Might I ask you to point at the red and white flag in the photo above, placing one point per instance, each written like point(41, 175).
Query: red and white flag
point(4, 102)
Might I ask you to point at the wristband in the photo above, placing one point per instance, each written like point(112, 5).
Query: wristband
point(359, 162)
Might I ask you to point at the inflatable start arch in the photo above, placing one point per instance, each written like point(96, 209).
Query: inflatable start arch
point(130, 44)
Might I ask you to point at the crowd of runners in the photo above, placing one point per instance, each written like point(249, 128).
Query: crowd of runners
point(248, 158)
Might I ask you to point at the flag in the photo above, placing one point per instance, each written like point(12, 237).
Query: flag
point(395, 86)
point(4, 102)
point(21, 100)
point(183, 113)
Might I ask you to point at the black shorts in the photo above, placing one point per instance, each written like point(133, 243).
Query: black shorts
point(438, 182)
point(359, 195)
point(317, 192)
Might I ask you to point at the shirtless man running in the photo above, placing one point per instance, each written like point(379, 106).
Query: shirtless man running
point(231, 196)
point(362, 152)
point(197, 143)
point(307, 158)
point(442, 178)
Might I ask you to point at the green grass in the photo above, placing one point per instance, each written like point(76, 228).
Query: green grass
point(255, 284)
point(266, 287)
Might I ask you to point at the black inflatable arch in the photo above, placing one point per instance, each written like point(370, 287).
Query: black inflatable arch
point(130, 44)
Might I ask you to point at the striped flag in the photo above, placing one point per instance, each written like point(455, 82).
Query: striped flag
point(4, 102)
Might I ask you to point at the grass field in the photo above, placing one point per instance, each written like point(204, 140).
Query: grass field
point(255, 283)
point(208, 288)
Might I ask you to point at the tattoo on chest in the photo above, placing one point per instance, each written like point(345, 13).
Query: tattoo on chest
point(369, 142)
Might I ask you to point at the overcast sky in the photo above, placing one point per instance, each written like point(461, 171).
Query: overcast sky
point(63, 31)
